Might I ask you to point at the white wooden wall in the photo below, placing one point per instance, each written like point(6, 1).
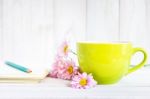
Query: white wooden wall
point(30, 30)
point(103, 20)
point(120, 20)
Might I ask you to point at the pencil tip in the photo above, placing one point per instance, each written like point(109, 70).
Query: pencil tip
point(29, 71)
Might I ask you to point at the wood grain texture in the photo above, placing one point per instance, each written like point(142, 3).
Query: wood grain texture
point(119, 20)
point(30, 30)
point(27, 29)
point(102, 20)
point(69, 20)
point(8, 30)
point(58, 89)
point(134, 24)
point(1, 28)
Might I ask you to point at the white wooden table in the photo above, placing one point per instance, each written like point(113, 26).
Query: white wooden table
point(134, 86)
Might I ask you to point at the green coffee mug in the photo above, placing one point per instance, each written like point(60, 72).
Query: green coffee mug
point(108, 62)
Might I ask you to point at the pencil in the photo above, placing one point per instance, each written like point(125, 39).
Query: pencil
point(18, 67)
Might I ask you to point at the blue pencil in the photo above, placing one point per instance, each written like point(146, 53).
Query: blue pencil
point(18, 67)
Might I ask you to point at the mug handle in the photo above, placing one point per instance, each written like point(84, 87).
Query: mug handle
point(141, 64)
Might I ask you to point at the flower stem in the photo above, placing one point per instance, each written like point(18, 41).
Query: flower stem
point(73, 52)
point(147, 65)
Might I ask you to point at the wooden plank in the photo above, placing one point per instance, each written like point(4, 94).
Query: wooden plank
point(37, 32)
point(8, 31)
point(102, 20)
point(135, 23)
point(1, 28)
point(58, 89)
point(69, 20)
point(49, 33)
point(27, 28)
point(146, 36)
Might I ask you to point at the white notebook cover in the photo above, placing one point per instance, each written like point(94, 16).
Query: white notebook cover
point(10, 74)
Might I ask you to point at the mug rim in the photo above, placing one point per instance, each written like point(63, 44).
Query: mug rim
point(98, 42)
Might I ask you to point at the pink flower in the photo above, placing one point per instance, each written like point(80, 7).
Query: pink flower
point(83, 81)
point(64, 49)
point(53, 73)
point(63, 68)
point(57, 67)
point(68, 70)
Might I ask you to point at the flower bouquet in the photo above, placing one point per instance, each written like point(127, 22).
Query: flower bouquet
point(65, 68)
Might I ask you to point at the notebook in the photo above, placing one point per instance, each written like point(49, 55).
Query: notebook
point(9, 74)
